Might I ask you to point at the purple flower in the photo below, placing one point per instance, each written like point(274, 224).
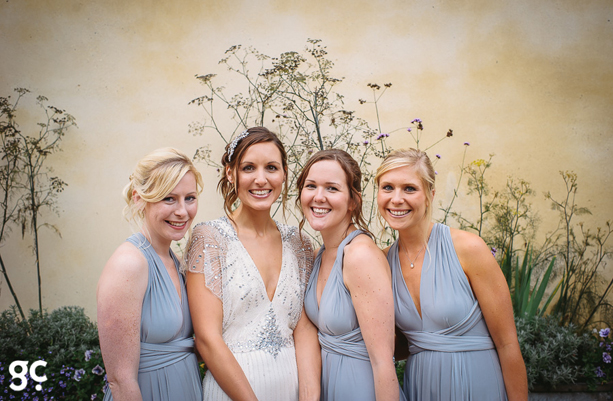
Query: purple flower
point(94, 396)
point(494, 250)
point(466, 143)
point(601, 344)
point(438, 156)
point(606, 357)
point(435, 172)
point(105, 388)
point(88, 355)
point(366, 142)
point(98, 370)
point(409, 129)
point(599, 372)
point(604, 333)
point(79, 374)
point(608, 347)
point(417, 120)
point(382, 135)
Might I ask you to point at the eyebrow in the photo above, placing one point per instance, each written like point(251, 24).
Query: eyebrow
point(269, 162)
point(401, 184)
point(189, 193)
point(327, 183)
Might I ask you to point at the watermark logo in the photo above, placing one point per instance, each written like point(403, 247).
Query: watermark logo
point(21, 375)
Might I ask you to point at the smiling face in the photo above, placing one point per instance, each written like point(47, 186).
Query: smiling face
point(260, 176)
point(402, 198)
point(169, 219)
point(325, 197)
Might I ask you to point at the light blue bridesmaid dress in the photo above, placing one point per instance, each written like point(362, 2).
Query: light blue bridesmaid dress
point(452, 356)
point(346, 370)
point(168, 368)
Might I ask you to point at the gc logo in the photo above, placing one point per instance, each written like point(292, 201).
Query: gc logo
point(22, 374)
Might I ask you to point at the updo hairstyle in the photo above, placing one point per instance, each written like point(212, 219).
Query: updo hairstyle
point(229, 190)
point(354, 182)
point(417, 159)
point(154, 177)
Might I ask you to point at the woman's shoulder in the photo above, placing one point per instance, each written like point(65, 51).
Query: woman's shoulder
point(472, 251)
point(361, 248)
point(465, 241)
point(217, 226)
point(127, 262)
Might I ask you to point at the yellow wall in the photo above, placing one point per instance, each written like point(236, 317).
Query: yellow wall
point(529, 81)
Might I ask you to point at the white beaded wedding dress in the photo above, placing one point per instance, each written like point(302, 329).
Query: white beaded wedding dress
point(258, 331)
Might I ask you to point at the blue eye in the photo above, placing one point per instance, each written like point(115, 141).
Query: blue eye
point(410, 188)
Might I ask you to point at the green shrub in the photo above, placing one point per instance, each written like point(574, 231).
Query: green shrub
point(67, 340)
point(554, 354)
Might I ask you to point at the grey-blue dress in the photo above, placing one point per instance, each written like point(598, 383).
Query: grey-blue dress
point(168, 368)
point(346, 370)
point(452, 356)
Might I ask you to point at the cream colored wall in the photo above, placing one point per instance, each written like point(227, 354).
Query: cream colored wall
point(529, 81)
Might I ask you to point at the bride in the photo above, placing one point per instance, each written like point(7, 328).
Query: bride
point(246, 280)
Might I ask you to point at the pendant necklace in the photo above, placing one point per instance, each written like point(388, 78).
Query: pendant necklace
point(409, 258)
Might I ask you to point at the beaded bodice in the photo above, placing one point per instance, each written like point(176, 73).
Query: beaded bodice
point(250, 320)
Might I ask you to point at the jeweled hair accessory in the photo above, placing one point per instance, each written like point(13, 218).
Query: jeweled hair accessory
point(235, 142)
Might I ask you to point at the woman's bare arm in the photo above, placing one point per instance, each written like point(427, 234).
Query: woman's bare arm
point(120, 294)
point(490, 288)
point(367, 276)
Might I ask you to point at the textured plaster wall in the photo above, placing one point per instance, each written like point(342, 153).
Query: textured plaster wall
point(529, 81)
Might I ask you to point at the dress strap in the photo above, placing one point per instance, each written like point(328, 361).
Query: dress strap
point(143, 245)
point(347, 240)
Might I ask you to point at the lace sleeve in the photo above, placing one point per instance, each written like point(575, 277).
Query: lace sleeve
point(206, 254)
point(301, 245)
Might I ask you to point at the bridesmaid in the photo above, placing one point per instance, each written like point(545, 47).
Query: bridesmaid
point(143, 317)
point(451, 299)
point(349, 295)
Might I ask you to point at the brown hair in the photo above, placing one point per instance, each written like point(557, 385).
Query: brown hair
point(411, 158)
point(354, 182)
point(228, 190)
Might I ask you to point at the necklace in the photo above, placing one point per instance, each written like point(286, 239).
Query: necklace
point(409, 258)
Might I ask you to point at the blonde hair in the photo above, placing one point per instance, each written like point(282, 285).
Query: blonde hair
point(154, 177)
point(417, 159)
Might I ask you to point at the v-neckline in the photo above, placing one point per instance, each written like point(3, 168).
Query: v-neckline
point(255, 267)
point(320, 256)
point(179, 293)
point(406, 287)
